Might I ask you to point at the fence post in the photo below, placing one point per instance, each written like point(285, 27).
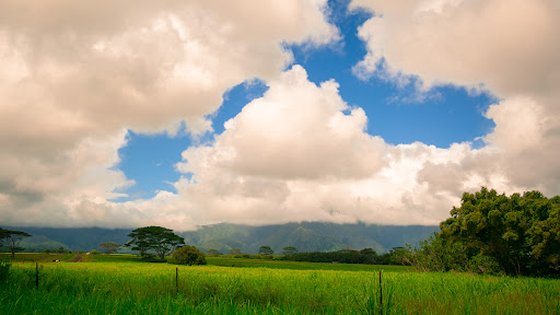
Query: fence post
point(36, 275)
point(176, 280)
point(380, 294)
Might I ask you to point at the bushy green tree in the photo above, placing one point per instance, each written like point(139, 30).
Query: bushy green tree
point(188, 255)
point(152, 240)
point(491, 232)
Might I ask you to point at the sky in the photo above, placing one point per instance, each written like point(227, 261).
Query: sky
point(185, 113)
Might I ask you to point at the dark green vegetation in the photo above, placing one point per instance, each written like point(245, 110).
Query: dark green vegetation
point(493, 233)
point(123, 284)
point(227, 238)
point(396, 256)
point(153, 241)
point(188, 255)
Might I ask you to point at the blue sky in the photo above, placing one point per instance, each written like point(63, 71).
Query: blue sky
point(444, 115)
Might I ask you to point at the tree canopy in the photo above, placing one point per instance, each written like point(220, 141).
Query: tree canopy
point(491, 232)
point(109, 247)
point(188, 255)
point(12, 239)
point(154, 240)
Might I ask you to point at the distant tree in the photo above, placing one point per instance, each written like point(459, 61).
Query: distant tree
point(109, 247)
point(266, 251)
point(154, 239)
point(289, 250)
point(12, 240)
point(188, 255)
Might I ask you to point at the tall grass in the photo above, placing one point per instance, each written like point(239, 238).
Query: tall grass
point(144, 288)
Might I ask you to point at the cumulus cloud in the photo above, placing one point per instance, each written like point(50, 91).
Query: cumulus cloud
point(301, 153)
point(74, 76)
point(508, 48)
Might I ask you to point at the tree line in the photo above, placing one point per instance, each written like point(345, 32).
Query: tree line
point(396, 256)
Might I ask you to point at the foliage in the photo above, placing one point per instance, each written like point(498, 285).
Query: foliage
point(346, 256)
point(188, 255)
point(12, 239)
point(109, 247)
point(493, 233)
point(396, 256)
point(152, 240)
point(266, 251)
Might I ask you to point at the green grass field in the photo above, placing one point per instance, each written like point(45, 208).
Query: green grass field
point(121, 284)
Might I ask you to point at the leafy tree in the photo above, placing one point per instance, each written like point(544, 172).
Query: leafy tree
point(266, 251)
point(189, 255)
point(12, 239)
point(154, 239)
point(495, 233)
point(289, 250)
point(109, 247)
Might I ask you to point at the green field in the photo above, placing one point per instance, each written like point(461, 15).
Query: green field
point(120, 284)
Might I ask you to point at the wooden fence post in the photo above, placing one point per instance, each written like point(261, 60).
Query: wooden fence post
point(176, 280)
point(36, 275)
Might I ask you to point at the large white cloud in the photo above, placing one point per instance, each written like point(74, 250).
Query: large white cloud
point(301, 153)
point(509, 48)
point(74, 76)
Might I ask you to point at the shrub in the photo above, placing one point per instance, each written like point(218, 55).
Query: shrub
point(188, 255)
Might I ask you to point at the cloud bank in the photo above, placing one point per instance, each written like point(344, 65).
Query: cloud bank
point(75, 76)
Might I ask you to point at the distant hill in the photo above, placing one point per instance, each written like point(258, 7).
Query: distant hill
point(70, 238)
point(305, 236)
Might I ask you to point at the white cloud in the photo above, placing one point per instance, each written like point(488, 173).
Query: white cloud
point(75, 75)
point(295, 155)
point(507, 47)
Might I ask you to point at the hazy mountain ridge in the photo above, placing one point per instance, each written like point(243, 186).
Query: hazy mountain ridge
point(305, 236)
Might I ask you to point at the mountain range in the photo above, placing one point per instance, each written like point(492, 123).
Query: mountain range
point(305, 236)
